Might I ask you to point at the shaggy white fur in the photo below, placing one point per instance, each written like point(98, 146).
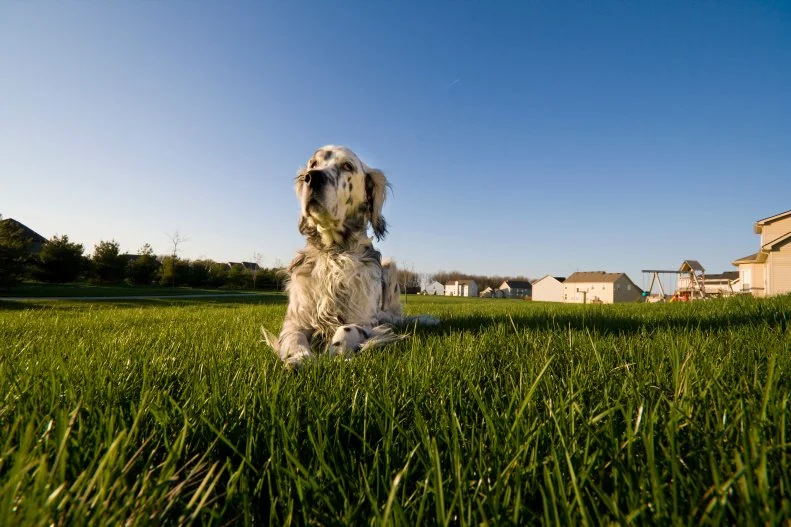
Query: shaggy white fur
point(341, 293)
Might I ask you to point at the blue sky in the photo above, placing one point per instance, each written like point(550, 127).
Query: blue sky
point(520, 137)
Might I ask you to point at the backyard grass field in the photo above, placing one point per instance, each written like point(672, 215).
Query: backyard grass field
point(507, 413)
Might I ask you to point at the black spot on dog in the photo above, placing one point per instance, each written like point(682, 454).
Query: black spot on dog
point(350, 186)
point(349, 200)
point(327, 155)
point(347, 328)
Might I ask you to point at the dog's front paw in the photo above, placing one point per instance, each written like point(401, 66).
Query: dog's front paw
point(297, 358)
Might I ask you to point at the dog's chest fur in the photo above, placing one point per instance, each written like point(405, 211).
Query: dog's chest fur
point(336, 288)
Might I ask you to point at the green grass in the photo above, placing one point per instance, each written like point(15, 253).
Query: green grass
point(39, 290)
point(509, 412)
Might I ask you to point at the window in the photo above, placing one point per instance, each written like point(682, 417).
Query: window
point(628, 287)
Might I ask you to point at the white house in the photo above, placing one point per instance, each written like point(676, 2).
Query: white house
point(435, 288)
point(461, 288)
point(516, 288)
point(598, 287)
point(768, 272)
point(548, 289)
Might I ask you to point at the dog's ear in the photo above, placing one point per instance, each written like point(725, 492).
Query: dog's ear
point(375, 192)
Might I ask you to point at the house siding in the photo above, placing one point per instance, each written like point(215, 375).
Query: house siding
point(435, 288)
point(774, 230)
point(626, 291)
point(779, 281)
point(588, 292)
point(548, 290)
point(751, 279)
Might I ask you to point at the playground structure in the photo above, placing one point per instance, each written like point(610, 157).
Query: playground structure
point(690, 283)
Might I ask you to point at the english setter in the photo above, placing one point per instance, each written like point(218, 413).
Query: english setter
point(340, 291)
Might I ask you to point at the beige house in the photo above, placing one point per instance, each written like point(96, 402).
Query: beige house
point(768, 272)
point(548, 289)
point(598, 287)
point(722, 284)
point(461, 288)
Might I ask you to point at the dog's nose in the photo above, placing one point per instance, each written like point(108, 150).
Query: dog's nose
point(315, 179)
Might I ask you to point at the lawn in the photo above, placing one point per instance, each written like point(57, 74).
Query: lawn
point(509, 412)
point(39, 290)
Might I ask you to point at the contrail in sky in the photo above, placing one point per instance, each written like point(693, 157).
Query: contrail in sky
point(452, 83)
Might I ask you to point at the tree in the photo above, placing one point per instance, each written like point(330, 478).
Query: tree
point(238, 277)
point(108, 262)
point(218, 274)
point(60, 261)
point(199, 273)
point(173, 271)
point(142, 269)
point(13, 253)
point(176, 240)
point(257, 258)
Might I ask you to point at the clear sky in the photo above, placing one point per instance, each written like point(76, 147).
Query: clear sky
point(520, 137)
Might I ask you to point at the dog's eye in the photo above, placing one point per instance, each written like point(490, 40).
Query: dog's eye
point(347, 167)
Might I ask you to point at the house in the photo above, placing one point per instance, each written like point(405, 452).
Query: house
point(461, 288)
point(434, 288)
point(516, 288)
point(548, 289)
point(600, 287)
point(768, 272)
point(722, 284)
point(36, 240)
point(249, 266)
point(490, 292)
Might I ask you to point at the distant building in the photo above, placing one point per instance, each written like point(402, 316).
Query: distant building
point(435, 288)
point(548, 289)
point(36, 240)
point(250, 266)
point(600, 287)
point(768, 272)
point(461, 288)
point(722, 284)
point(516, 288)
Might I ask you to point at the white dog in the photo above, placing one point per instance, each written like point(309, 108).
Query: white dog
point(340, 291)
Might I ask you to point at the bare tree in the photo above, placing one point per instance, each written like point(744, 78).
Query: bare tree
point(279, 273)
point(257, 259)
point(176, 241)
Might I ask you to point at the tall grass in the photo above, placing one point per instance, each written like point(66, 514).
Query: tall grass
point(508, 413)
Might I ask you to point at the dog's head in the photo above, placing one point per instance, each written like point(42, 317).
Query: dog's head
point(340, 195)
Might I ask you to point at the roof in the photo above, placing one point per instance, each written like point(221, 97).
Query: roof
point(594, 276)
point(560, 279)
point(777, 241)
point(758, 257)
point(461, 282)
point(693, 265)
point(518, 284)
point(27, 232)
point(727, 275)
point(771, 219)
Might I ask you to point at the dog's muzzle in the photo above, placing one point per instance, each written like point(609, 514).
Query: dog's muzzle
point(316, 180)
